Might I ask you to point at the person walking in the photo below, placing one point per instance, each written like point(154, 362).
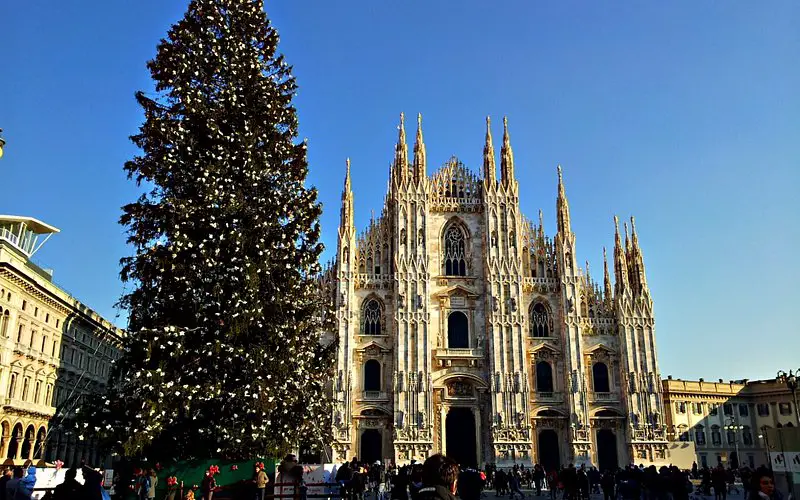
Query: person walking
point(208, 486)
point(151, 493)
point(261, 480)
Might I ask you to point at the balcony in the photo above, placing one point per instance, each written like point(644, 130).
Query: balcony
point(603, 397)
point(468, 357)
point(548, 397)
point(374, 396)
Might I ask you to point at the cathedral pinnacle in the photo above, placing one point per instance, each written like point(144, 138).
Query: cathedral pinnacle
point(401, 151)
point(620, 261)
point(506, 156)
point(636, 263)
point(347, 219)
point(606, 279)
point(562, 206)
point(420, 159)
point(347, 187)
point(541, 224)
point(489, 165)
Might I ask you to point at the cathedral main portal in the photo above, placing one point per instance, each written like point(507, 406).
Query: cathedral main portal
point(460, 432)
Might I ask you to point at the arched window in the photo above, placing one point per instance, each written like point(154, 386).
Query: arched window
point(455, 252)
point(12, 385)
point(372, 318)
point(544, 377)
point(372, 375)
point(37, 391)
point(600, 377)
point(540, 321)
point(457, 330)
point(25, 383)
point(4, 320)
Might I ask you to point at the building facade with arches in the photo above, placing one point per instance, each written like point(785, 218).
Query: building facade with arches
point(54, 351)
point(464, 328)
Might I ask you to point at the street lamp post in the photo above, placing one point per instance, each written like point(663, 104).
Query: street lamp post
point(764, 436)
point(791, 381)
point(732, 426)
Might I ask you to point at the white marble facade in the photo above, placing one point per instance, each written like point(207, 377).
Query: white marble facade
point(464, 328)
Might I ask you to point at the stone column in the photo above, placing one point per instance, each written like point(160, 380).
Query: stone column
point(443, 430)
point(476, 415)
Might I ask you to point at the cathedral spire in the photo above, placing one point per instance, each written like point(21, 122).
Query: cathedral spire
point(620, 262)
point(628, 248)
point(346, 216)
point(588, 275)
point(401, 151)
point(489, 165)
point(506, 156)
point(606, 279)
point(541, 224)
point(562, 206)
point(420, 159)
point(638, 260)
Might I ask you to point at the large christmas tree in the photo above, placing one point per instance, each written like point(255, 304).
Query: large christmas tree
point(222, 357)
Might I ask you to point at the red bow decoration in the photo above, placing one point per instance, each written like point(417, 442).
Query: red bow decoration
point(234, 467)
point(172, 481)
point(260, 465)
point(214, 469)
point(59, 464)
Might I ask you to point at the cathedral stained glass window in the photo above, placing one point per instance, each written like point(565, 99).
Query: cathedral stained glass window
point(540, 321)
point(455, 263)
point(372, 318)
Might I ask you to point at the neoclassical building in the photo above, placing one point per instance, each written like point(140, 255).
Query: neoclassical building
point(728, 422)
point(464, 328)
point(54, 350)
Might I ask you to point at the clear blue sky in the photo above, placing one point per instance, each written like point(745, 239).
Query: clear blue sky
point(684, 114)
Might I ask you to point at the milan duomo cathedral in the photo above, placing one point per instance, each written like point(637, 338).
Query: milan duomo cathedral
point(463, 328)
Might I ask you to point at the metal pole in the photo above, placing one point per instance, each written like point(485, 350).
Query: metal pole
point(794, 397)
point(788, 472)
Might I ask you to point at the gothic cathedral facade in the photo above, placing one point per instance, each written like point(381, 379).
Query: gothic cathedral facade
point(464, 329)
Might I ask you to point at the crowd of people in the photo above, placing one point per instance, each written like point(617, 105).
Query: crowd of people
point(18, 483)
point(440, 475)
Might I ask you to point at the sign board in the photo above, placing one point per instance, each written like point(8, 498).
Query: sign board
point(788, 461)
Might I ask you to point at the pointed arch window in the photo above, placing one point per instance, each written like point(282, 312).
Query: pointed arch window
point(544, 377)
point(540, 321)
point(600, 378)
point(372, 318)
point(455, 252)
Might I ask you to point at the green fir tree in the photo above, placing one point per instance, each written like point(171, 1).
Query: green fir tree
point(223, 355)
